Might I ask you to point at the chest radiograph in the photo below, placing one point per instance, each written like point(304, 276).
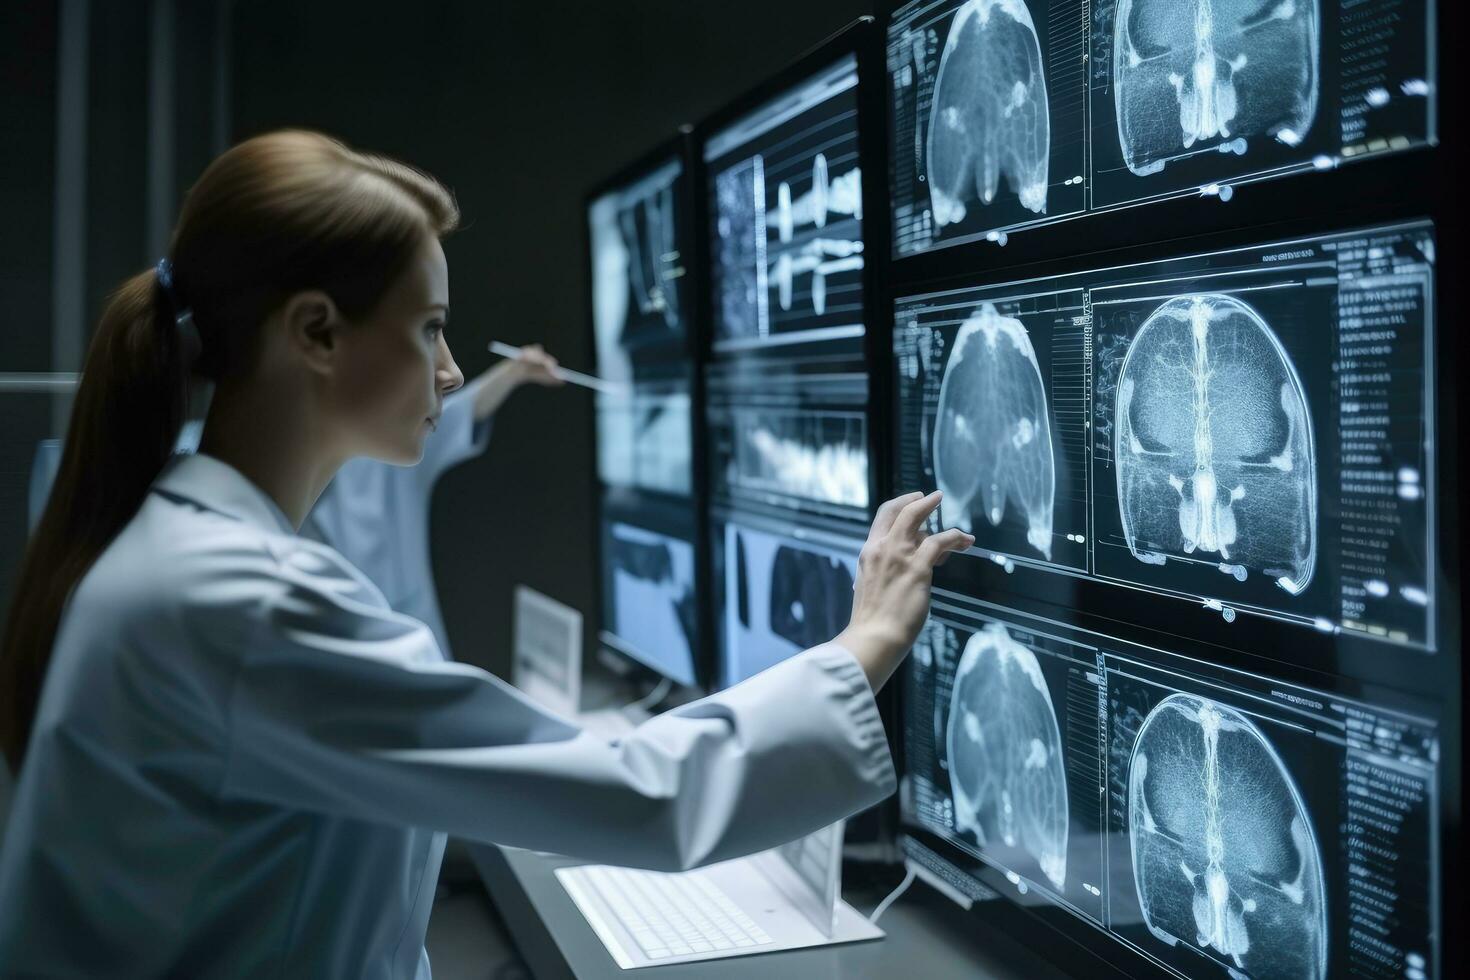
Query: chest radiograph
point(989, 118)
point(1209, 73)
point(1005, 752)
point(1224, 854)
point(1213, 445)
point(993, 434)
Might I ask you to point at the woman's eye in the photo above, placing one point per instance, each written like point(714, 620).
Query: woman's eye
point(433, 328)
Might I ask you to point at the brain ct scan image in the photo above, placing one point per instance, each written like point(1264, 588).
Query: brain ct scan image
point(1214, 450)
point(992, 439)
point(1005, 753)
point(1191, 76)
point(1225, 858)
point(989, 118)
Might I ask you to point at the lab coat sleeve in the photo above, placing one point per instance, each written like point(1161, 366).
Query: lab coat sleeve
point(343, 708)
point(459, 437)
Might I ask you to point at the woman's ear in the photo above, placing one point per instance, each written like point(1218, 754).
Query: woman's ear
point(313, 328)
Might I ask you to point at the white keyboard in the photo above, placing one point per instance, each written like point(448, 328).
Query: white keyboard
point(672, 914)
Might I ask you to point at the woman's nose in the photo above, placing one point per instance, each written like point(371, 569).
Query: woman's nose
point(446, 372)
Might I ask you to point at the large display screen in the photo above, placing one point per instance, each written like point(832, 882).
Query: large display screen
point(787, 392)
point(1248, 432)
point(1217, 824)
point(1010, 114)
point(641, 306)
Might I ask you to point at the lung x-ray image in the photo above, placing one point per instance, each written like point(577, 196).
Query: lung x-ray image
point(1214, 451)
point(1225, 857)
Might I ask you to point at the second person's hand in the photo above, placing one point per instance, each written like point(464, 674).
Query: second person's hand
point(891, 598)
point(535, 366)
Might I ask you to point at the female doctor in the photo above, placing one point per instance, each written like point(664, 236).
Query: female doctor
point(234, 759)
point(376, 515)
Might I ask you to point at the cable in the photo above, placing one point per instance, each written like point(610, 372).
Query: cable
point(893, 896)
point(652, 697)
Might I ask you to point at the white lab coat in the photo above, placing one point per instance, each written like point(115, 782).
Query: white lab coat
point(243, 761)
point(376, 515)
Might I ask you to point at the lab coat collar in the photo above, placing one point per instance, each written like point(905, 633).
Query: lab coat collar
point(219, 487)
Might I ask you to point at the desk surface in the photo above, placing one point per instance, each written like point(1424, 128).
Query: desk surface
point(928, 936)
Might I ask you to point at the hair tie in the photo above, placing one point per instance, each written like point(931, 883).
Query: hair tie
point(183, 315)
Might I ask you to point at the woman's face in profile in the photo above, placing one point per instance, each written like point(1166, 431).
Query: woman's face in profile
point(397, 367)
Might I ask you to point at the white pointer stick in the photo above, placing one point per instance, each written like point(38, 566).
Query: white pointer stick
point(575, 377)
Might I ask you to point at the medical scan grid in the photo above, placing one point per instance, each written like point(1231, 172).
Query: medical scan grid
point(1220, 824)
point(1249, 431)
point(1011, 114)
point(786, 214)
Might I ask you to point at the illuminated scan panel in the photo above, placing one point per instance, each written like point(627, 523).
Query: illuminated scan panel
point(1248, 431)
point(640, 310)
point(786, 218)
point(988, 109)
point(790, 439)
point(1011, 114)
point(1218, 824)
point(782, 589)
point(1002, 756)
point(649, 610)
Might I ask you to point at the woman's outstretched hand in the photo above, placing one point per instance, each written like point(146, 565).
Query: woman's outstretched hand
point(891, 599)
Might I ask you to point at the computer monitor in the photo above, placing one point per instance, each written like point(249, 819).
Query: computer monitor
point(642, 309)
point(791, 352)
point(1008, 115)
point(1189, 699)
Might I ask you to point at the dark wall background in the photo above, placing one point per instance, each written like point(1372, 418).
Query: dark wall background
point(117, 42)
point(519, 107)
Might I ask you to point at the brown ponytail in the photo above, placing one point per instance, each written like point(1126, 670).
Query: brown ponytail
point(275, 215)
